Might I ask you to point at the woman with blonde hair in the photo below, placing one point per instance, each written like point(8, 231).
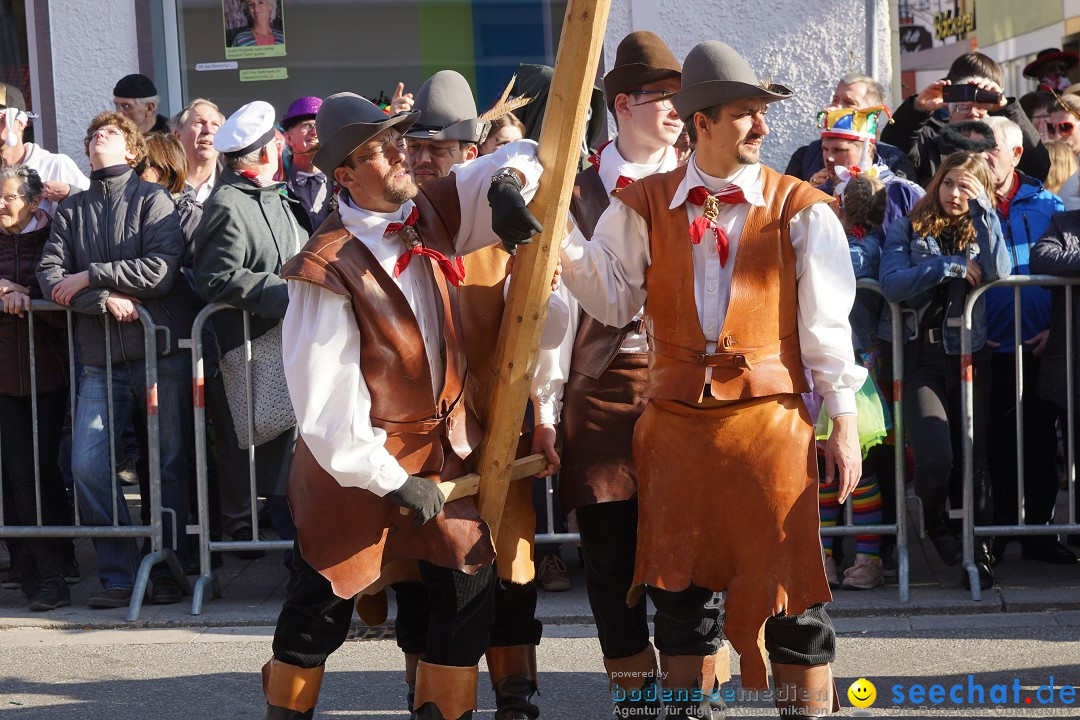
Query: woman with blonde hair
point(950, 242)
point(1062, 166)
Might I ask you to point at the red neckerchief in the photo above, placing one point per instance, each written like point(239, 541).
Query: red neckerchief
point(1005, 202)
point(453, 270)
point(732, 195)
point(594, 160)
point(857, 231)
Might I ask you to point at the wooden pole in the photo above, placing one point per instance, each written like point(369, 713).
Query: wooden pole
point(526, 304)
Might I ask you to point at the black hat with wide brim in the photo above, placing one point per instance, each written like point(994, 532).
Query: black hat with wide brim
point(1034, 69)
point(447, 110)
point(345, 122)
point(714, 74)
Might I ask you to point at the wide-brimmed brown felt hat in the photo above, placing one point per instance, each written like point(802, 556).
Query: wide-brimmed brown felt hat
point(641, 59)
point(714, 74)
point(345, 122)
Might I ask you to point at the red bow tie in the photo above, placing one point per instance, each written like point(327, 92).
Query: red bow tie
point(710, 204)
point(453, 270)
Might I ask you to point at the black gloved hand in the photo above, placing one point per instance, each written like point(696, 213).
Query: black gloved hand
point(510, 219)
point(419, 495)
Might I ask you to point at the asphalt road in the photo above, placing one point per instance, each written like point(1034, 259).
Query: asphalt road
point(212, 674)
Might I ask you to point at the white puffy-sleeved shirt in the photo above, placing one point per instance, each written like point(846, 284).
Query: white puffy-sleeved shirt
point(321, 341)
point(54, 167)
point(607, 276)
point(553, 366)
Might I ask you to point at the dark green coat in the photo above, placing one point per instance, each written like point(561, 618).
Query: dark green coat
point(246, 234)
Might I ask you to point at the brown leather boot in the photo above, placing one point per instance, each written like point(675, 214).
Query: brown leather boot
point(632, 681)
point(693, 682)
point(444, 692)
point(411, 659)
point(805, 690)
point(513, 678)
point(291, 692)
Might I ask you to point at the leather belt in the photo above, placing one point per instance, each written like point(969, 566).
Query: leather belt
point(419, 426)
point(736, 360)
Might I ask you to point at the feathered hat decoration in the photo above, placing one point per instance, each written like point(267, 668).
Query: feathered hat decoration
point(503, 106)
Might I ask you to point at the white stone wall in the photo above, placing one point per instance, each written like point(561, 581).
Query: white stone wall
point(93, 46)
point(804, 44)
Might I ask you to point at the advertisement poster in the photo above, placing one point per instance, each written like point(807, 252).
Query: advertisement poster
point(254, 28)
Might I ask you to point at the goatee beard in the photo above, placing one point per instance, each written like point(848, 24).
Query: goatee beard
point(399, 194)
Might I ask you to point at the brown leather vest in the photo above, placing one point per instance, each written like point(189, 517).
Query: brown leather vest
point(595, 344)
point(393, 358)
point(757, 352)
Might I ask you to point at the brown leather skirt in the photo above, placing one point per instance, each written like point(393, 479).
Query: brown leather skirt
point(728, 501)
point(349, 534)
point(598, 430)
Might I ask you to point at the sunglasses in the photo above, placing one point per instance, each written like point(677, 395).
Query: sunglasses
point(1062, 128)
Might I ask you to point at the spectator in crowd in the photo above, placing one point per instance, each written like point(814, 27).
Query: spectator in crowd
point(166, 165)
point(1038, 106)
point(195, 127)
point(1063, 122)
point(853, 92)
point(1024, 208)
point(40, 563)
point(502, 130)
point(861, 208)
point(60, 174)
point(306, 182)
point(262, 16)
point(917, 130)
point(849, 142)
point(1058, 253)
point(1062, 167)
point(136, 97)
point(1051, 68)
point(951, 240)
point(114, 247)
point(247, 232)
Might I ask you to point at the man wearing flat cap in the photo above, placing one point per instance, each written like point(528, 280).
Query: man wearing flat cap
point(746, 283)
point(247, 232)
point(593, 384)
point(136, 97)
point(376, 371)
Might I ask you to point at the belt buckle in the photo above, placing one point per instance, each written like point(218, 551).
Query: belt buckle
point(933, 335)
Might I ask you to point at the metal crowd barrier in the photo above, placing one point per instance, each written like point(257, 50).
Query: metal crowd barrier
point(152, 532)
point(967, 378)
point(206, 545)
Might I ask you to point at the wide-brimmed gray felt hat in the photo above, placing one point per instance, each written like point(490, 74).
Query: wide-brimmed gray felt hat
point(714, 74)
point(447, 110)
point(345, 122)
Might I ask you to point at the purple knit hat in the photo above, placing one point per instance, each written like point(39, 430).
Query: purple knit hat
point(303, 108)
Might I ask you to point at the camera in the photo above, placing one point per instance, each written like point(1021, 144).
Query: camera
point(969, 93)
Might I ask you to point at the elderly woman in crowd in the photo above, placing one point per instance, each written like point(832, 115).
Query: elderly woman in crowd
point(262, 14)
point(41, 563)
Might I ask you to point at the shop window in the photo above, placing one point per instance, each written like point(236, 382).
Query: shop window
point(14, 57)
point(235, 51)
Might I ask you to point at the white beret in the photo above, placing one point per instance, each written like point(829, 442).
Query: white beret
point(247, 129)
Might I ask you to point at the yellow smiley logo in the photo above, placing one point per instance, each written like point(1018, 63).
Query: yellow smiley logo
point(862, 693)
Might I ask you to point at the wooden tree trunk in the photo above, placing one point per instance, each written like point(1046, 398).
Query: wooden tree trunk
point(526, 304)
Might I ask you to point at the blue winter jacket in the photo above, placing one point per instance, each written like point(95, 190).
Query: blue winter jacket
point(1029, 216)
point(866, 311)
point(912, 266)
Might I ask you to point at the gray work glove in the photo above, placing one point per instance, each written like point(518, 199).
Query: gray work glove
point(419, 495)
point(510, 218)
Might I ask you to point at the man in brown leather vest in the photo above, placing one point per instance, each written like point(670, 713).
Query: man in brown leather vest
point(376, 372)
point(746, 283)
point(447, 134)
point(597, 377)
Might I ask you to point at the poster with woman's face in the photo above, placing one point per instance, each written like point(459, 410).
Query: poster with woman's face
point(253, 28)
